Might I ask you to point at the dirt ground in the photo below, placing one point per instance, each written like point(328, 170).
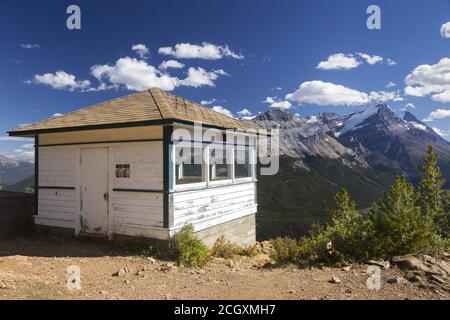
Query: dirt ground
point(36, 268)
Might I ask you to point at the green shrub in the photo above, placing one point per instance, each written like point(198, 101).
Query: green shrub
point(285, 250)
point(190, 250)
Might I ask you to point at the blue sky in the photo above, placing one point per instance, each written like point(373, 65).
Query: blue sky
point(308, 56)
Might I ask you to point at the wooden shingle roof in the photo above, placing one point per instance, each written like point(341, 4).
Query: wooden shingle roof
point(147, 107)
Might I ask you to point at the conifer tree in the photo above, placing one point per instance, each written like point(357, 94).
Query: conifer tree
point(398, 224)
point(431, 195)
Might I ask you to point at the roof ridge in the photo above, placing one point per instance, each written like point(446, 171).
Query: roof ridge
point(196, 104)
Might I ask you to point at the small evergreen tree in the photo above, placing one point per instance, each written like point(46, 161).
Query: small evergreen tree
point(431, 195)
point(347, 229)
point(398, 224)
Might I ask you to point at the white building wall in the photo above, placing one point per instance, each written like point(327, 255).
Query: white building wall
point(135, 203)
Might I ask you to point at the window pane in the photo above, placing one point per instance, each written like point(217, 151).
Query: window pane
point(242, 166)
point(188, 165)
point(218, 167)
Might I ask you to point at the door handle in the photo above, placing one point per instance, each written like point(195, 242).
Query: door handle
point(106, 196)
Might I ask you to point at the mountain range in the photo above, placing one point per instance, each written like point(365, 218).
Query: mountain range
point(14, 170)
point(362, 151)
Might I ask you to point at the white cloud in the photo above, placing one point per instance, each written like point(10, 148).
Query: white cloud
point(390, 84)
point(141, 50)
point(408, 106)
point(60, 80)
point(370, 59)
point(57, 114)
point(441, 132)
point(430, 80)
point(437, 114)
point(245, 113)
point(327, 93)
point(445, 30)
point(198, 77)
point(30, 46)
point(270, 100)
point(274, 102)
point(281, 104)
point(223, 110)
point(171, 64)
point(391, 62)
point(134, 74)
point(339, 61)
point(206, 51)
point(385, 96)
point(207, 102)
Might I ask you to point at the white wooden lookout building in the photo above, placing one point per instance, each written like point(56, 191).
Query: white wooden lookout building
point(114, 169)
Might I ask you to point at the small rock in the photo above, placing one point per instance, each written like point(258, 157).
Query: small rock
point(291, 291)
point(103, 292)
point(348, 291)
point(120, 272)
point(335, 280)
point(437, 279)
point(415, 278)
point(346, 268)
point(380, 263)
point(151, 260)
point(396, 280)
point(409, 262)
point(429, 259)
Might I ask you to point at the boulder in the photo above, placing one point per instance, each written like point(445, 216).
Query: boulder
point(409, 262)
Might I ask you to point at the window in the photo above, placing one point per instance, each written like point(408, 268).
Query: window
point(188, 165)
point(219, 169)
point(242, 163)
point(122, 170)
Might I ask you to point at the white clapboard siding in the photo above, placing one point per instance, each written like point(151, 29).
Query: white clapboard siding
point(57, 204)
point(57, 166)
point(138, 209)
point(146, 165)
point(214, 203)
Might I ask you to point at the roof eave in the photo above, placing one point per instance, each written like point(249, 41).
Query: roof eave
point(33, 132)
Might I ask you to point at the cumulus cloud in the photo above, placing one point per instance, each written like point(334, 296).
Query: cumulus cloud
point(207, 102)
point(339, 61)
point(141, 50)
point(245, 113)
point(385, 96)
point(30, 46)
point(60, 80)
point(198, 77)
point(206, 51)
point(223, 110)
point(134, 74)
point(171, 64)
point(274, 102)
point(57, 114)
point(430, 80)
point(370, 59)
point(445, 30)
point(438, 114)
point(327, 93)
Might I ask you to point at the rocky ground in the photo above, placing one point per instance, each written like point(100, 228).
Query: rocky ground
point(33, 268)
